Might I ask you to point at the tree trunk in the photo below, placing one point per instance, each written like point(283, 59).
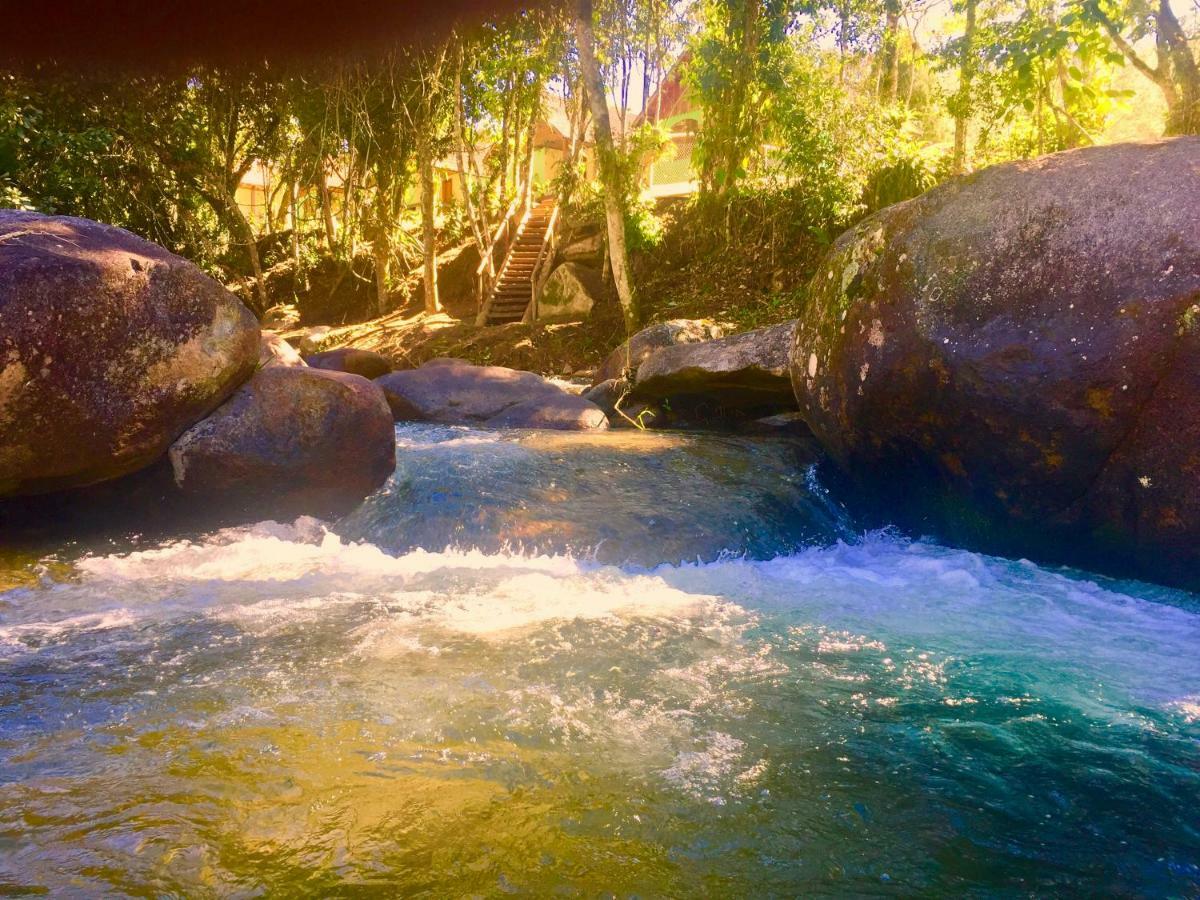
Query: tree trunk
point(475, 216)
point(528, 162)
point(294, 204)
point(1175, 55)
point(1177, 74)
point(614, 214)
point(645, 79)
point(428, 228)
point(738, 115)
point(233, 214)
point(504, 129)
point(890, 82)
point(962, 112)
point(515, 156)
point(382, 253)
point(843, 39)
point(326, 209)
point(383, 215)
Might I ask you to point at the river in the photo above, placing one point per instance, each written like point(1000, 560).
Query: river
point(554, 664)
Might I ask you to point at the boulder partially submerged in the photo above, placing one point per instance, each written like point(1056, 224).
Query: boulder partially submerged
point(626, 358)
point(110, 346)
point(457, 393)
point(1022, 346)
point(741, 376)
point(566, 412)
point(290, 441)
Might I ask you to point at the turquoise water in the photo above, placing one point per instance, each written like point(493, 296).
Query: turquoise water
point(527, 667)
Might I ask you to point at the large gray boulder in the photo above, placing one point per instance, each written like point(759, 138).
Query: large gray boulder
point(456, 393)
point(743, 375)
point(1021, 348)
point(110, 346)
point(290, 440)
point(570, 292)
point(632, 353)
point(588, 249)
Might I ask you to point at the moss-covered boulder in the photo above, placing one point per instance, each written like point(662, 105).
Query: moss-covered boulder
point(1022, 346)
point(570, 292)
point(110, 346)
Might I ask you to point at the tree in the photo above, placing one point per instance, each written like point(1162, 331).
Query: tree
point(430, 123)
point(737, 76)
point(609, 164)
point(889, 81)
point(373, 97)
point(238, 117)
point(1175, 70)
point(961, 103)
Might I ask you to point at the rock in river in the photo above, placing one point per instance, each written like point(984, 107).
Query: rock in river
point(743, 375)
point(633, 352)
point(458, 393)
point(366, 363)
point(1023, 344)
point(566, 412)
point(110, 346)
point(291, 440)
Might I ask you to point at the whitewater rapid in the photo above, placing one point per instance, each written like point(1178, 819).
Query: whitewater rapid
point(379, 704)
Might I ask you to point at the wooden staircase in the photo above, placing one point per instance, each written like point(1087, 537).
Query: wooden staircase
point(517, 281)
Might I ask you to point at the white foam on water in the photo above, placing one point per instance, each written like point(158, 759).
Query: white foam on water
point(1189, 708)
point(31, 634)
point(883, 596)
point(274, 552)
point(529, 598)
point(714, 770)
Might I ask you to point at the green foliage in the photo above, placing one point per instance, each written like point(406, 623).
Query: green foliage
point(643, 227)
point(807, 114)
point(736, 73)
point(1042, 79)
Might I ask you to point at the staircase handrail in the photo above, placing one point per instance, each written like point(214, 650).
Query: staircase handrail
point(545, 262)
point(502, 239)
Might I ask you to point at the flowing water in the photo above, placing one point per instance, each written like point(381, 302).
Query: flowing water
point(648, 665)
